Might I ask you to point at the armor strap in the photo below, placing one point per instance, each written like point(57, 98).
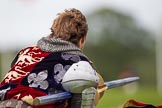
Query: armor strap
point(101, 88)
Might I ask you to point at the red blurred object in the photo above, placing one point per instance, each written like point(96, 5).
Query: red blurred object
point(136, 104)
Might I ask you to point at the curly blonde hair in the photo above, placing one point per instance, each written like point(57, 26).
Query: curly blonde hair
point(70, 25)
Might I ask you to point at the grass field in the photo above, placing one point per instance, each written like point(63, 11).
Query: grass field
point(116, 97)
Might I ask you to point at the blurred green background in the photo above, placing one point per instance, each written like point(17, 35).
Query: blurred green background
point(116, 98)
point(119, 47)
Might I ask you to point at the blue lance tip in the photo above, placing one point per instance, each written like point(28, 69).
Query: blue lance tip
point(120, 82)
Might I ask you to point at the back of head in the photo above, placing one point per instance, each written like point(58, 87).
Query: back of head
point(70, 25)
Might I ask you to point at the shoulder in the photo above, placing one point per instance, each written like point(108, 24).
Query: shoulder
point(27, 50)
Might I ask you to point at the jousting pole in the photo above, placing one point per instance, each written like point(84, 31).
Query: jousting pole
point(42, 100)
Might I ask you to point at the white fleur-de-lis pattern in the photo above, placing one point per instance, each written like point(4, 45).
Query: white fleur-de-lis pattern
point(60, 70)
point(72, 57)
point(38, 80)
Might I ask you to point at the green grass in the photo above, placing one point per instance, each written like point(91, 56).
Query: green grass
point(116, 97)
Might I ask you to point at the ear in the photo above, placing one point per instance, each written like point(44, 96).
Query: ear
point(82, 42)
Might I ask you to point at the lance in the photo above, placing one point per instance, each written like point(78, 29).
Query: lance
point(42, 100)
